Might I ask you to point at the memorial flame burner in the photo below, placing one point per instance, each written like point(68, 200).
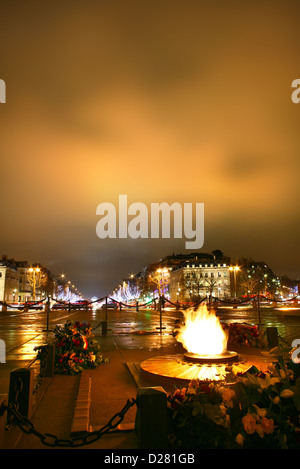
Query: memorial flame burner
point(206, 357)
point(221, 358)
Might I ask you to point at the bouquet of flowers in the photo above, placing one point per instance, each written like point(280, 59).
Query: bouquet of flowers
point(245, 334)
point(257, 410)
point(75, 348)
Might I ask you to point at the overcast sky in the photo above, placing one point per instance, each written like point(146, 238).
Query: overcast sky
point(164, 101)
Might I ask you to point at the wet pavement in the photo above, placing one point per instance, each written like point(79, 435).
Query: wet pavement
point(22, 332)
point(132, 337)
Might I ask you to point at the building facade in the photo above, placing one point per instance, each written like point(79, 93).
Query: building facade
point(197, 280)
point(257, 277)
point(9, 281)
point(25, 289)
point(15, 286)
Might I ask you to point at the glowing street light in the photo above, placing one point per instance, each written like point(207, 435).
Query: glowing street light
point(34, 278)
point(235, 270)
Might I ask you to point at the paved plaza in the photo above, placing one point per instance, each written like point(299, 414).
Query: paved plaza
point(132, 337)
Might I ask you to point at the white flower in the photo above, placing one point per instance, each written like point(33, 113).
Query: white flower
point(286, 393)
point(264, 383)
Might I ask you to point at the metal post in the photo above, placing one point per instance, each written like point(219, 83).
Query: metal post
point(47, 311)
point(33, 286)
point(104, 323)
point(151, 418)
point(104, 327)
point(272, 336)
point(258, 309)
point(137, 306)
point(160, 314)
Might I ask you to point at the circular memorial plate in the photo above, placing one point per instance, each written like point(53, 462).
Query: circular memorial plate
point(225, 357)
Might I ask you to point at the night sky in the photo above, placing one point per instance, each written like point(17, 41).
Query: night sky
point(164, 101)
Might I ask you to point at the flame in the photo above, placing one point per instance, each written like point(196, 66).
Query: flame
point(202, 332)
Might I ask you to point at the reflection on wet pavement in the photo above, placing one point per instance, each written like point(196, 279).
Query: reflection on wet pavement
point(26, 350)
point(134, 330)
point(152, 341)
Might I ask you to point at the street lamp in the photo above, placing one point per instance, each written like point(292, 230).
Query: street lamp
point(234, 269)
point(163, 279)
point(33, 279)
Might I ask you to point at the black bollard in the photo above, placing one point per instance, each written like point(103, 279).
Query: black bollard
point(104, 327)
point(272, 336)
point(21, 390)
point(151, 418)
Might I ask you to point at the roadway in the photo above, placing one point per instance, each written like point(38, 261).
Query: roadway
point(23, 331)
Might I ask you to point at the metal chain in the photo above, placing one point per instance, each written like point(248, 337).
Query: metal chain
point(97, 325)
point(18, 386)
point(284, 340)
point(49, 439)
point(279, 337)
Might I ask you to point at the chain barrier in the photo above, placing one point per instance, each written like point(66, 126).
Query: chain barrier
point(42, 357)
point(48, 439)
point(287, 343)
point(177, 305)
point(86, 303)
point(23, 305)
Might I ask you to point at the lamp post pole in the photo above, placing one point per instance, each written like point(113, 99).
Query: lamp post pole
point(34, 270)
point(235, 269)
